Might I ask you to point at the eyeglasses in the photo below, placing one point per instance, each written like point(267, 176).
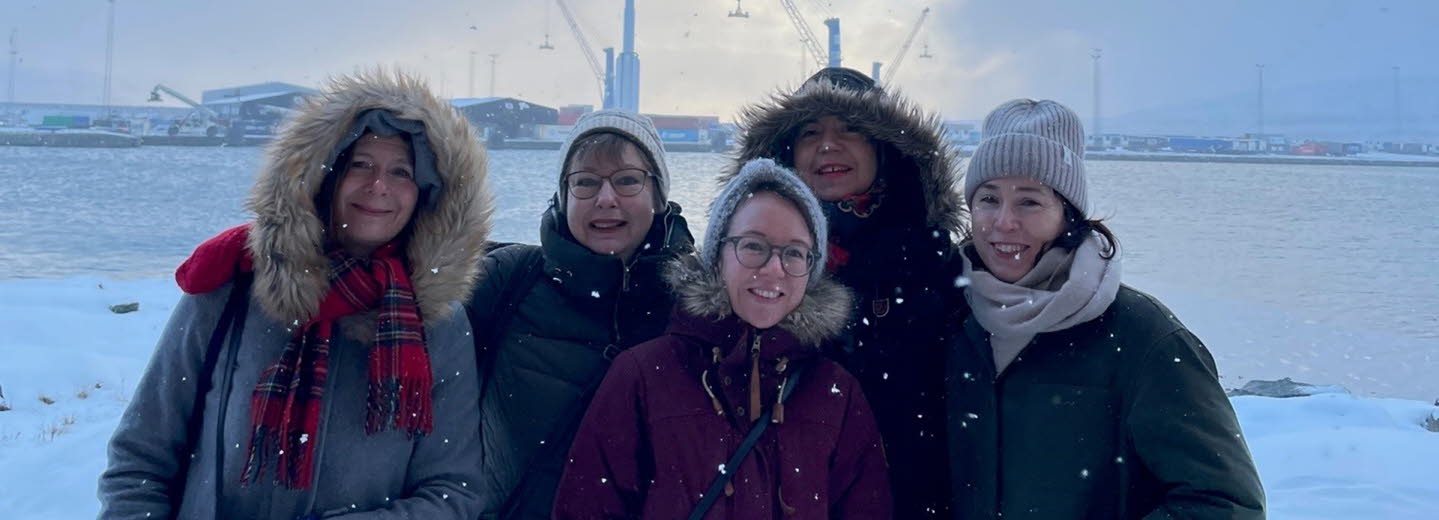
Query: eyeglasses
point(626, 182)
point(755, 253)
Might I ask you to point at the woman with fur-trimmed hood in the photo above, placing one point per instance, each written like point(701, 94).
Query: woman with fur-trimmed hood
point(889, 185)
point(346, 385)
point(741, 350)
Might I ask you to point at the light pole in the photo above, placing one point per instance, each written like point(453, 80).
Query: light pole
point(1398, 119)
point(493, 57)
point(1260, 67)
point(471, 92)
point(109, 58)
point(14, 59)
point(1098, 139)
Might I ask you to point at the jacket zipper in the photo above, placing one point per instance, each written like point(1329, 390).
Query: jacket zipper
point(996, 386)
point(615, 314)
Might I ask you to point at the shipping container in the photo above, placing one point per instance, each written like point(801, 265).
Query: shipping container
point(677, 122)
point(1198, 144)
point(671, 135)
point(569, 114)
point(552, 132)
point(57, 121)
point(1341, 149)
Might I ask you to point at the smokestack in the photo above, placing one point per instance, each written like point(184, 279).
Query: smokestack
point(833, 24)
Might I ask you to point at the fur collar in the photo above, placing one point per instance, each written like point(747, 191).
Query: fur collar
point(884, 116)
point(820, 317)
point(288, 237)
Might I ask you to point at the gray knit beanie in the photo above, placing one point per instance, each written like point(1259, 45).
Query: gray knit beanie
point(636, 127)
point(764, 173)
point(1039, 140)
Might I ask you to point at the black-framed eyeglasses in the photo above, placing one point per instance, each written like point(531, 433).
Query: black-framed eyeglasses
point(754, 253)
point(627, 182)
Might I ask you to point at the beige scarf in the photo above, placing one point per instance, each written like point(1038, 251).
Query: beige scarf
point(1065, 288)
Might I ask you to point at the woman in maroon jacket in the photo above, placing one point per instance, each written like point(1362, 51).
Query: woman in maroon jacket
point(753, 310)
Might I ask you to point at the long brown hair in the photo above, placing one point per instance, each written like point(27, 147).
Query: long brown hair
point(1077, 228)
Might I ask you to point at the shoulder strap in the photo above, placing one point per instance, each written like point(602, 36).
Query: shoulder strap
point(502, 311)
point(532, 265)
point(233, 320)
point(732, 465)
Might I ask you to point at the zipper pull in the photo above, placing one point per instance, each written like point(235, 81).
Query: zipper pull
point(754, 388)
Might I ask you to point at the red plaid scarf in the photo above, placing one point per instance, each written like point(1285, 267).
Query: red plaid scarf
point(285, 408)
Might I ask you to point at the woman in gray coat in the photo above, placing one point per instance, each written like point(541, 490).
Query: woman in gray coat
point(347, 386)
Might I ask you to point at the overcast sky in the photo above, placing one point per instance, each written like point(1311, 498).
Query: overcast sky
point(697, 60)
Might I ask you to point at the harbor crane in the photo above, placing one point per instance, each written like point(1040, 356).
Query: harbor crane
point(811, 43)
point(904, 49)
point(738, 12)
point(209, 119)
point(585, 49)
point(546, 46)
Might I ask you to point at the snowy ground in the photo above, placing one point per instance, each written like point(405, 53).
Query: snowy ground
point(1327, 456)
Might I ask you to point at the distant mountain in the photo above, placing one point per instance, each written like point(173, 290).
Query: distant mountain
point(1356, 110)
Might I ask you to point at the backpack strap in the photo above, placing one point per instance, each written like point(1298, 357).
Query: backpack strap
point(732, 465)
point(232, 320)
point(502, 310)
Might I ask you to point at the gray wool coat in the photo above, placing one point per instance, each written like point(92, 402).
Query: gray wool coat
point(356, 475)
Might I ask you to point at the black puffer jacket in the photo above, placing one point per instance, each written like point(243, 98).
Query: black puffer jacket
point(901, 264)
point(555, 348)
point(1120, 417)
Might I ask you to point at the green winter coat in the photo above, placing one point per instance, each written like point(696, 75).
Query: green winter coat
point(1120, 417)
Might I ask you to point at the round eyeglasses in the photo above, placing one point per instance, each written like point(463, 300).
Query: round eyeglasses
point(754, 253)
point(626, 182)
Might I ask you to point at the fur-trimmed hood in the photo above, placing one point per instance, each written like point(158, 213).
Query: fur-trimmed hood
point(820, 317)
point(288, 238)
point(768, 127)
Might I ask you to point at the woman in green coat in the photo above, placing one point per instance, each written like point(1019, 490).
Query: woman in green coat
point(1070, 395)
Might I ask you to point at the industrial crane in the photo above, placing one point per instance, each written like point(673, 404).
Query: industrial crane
point(904, 49)
point(546, 46)
point(210, 120)
point(584, 47)
point(738, 12)
point(805, 35)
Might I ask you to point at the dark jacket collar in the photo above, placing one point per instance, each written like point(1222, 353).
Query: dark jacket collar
point(735, 338)
point(582, 273)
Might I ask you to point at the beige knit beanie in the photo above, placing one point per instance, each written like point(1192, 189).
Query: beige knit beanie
point(1039, 140)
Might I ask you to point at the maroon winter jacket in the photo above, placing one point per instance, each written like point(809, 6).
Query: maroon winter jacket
point(653, 439)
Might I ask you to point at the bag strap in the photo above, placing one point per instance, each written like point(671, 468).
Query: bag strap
point(732, 465)
point(503, 310)
point(233, 320)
